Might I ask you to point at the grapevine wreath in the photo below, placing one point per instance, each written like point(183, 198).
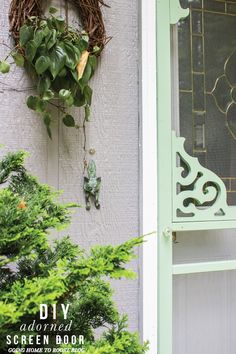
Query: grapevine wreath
point(61, 58)
point(89, 12)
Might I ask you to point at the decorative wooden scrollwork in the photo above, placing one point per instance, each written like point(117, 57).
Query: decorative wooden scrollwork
point(198, 193)
point(177, 12)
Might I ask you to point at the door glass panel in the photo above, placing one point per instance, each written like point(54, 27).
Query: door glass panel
point(207, 86)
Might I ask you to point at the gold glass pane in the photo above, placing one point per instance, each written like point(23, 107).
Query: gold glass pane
point(207, 86)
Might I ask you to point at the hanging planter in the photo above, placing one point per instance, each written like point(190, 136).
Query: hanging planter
point(61, 58)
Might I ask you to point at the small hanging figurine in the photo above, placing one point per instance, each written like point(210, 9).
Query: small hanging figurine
point(92, 185)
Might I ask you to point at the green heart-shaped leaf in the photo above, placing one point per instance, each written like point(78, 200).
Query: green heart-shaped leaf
point(59, 23)
point(38, 37)
point(18, 59)
point(79, 99)
point(58, 59)
point(36, 104)
point(42, 64)
point(43, 23)
point(47, 118)
point(69, 121)
point(64, 94)
point(4, 67)
point(26, 34)
point(85, 36)
point(72, 54)
point(69, 101)
point(47, 121)
point(93, 61)
point(86, 76)
point(51, 39)
point(44, 84)
point(53, 10)
point(48, 95)
point(96, 49)
point(30, 50)
point(62, 73)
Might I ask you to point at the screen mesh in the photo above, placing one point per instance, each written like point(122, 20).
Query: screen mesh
point(207, 86)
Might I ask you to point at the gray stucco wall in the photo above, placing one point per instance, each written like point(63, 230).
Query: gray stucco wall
point(113, 132)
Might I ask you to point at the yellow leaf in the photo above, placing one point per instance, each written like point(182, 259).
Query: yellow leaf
point(82, 64)
point(22, 205)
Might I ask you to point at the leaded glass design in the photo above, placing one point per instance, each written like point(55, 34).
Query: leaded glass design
point(207, 86)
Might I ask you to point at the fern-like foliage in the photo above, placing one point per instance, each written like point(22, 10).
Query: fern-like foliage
point(34, 271)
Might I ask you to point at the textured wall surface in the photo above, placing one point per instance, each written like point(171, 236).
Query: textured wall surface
point(113, 132)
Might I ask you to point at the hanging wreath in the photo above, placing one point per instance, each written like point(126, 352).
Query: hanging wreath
point(60, 57)
point(89, 12)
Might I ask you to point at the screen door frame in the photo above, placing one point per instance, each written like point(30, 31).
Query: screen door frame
point(169, 199)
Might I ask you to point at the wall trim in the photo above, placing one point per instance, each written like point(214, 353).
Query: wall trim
point(149, 171)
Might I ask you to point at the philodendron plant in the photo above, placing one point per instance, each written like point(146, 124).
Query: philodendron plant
point(62, 63)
